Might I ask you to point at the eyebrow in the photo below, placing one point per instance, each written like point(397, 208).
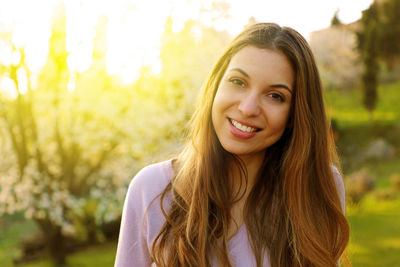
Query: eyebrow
point(284, 86)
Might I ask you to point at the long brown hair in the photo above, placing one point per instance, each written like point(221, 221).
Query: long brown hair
point(297, 216)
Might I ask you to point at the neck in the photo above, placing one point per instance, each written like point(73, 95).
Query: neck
point(252, 165)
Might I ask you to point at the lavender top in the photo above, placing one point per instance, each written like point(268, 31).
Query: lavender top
point(139, 229)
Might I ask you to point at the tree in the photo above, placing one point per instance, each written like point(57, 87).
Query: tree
point(335, 21)
point(74, 140)
point(389, 40)
point(378, 41)
point(71, 162)
point(368, 40)
point(187, 57)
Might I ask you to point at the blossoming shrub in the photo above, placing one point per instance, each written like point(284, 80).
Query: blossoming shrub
point(358, 185)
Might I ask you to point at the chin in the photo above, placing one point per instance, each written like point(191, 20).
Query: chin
point(241, 152)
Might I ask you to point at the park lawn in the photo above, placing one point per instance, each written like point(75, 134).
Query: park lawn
point(12, 229)
point(384, 171)
point(347, 108)
point(100, 256)
point(375, 223)
point(375, 233)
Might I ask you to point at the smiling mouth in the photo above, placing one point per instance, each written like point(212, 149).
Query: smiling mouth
point(242, 127)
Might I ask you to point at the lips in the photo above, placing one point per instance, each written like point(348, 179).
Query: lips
point(241, 130)
point(243, 127)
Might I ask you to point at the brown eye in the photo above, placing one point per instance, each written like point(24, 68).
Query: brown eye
point(277, 97)
point(237, 81)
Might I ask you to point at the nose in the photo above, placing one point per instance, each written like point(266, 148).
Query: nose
point(249, 105)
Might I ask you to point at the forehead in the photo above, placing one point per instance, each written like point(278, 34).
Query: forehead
point(265, 64)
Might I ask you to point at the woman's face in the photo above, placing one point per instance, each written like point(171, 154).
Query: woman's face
point(252, 105)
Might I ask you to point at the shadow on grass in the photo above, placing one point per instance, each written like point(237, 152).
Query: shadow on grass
point(13, 228)
point(99, 255)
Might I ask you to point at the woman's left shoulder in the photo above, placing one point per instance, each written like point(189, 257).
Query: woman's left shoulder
point(150, 181)
point(339, 185)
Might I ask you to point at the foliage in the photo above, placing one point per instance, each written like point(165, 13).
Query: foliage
point(335, 21)
point(67, 164)
point(389, 40)
point(395, 183)
point(368, 47)
point(73, 139)
point(358, 185)
point(185, 67)
point(355, 140)
point(187, 57)
point(379, 38)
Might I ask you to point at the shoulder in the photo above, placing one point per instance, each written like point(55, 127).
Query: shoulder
point(339, 186)
point(150, 181)
point(139, 223)
point(154, 175)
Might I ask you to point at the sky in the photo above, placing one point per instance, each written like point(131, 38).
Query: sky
point(303, 15)
point(135, 26)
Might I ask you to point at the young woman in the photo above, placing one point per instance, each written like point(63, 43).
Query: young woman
point(255, 184)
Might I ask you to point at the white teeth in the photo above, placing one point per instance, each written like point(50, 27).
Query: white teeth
point(243, 127)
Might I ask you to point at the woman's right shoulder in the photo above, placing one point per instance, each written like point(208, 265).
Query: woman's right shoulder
point(151, 180)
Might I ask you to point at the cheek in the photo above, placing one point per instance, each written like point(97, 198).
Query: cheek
point(286, 119)
point(279, 118)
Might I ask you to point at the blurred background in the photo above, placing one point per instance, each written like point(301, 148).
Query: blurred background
point(92, 91)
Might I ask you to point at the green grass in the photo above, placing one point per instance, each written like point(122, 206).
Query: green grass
point(12, 229)
point(375, 224)
point(354, 140)
point(348, 109)
point(100, 256)
point(383, 171)
point(375, 233)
